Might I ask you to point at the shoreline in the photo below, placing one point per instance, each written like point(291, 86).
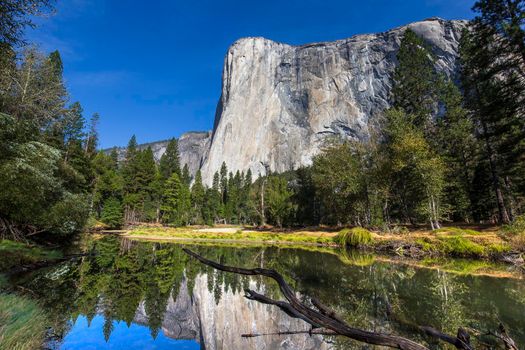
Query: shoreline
point(448, 243)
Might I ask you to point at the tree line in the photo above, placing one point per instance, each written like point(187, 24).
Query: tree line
point(451, 148)
point(46, 144)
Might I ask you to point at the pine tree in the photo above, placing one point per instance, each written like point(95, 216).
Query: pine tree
point(198, 193)
point(414, 79)
point(186, 177)
point(169, 161)
point(279, 199)
point(494, 82)
point(176, 203)
point(112, 213)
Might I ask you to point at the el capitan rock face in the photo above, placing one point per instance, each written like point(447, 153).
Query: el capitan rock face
point(279, 103)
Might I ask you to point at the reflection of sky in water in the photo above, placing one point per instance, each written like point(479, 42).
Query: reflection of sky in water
point(84, 337)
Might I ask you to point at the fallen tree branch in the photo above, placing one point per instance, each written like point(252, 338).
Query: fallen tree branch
point(326, 322)
point(509, 343)
point(317, 318)
point(317, 331)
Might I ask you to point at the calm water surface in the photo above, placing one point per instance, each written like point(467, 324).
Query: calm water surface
point(141, 295)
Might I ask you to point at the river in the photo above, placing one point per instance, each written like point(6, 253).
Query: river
point(145, 295)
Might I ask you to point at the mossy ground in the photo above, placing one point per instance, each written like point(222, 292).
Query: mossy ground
point(234, 234)
point(449, 241)
point(17, 253)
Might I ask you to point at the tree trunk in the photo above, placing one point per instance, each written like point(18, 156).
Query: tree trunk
point(496, 183)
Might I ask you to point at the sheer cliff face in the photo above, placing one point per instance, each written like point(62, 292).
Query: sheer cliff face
point(279, 103)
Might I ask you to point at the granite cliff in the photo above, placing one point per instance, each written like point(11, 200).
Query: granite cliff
point(279, 103)
point(218, 324)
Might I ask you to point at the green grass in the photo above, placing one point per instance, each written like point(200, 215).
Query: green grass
point(354, 237)
point(457, 231)
point(239, 235)
point(16, 253)
point(22, 323)
point(457, 245)
point(461, 246)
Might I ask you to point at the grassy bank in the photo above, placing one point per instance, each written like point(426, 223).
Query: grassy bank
point(486, 243)
point(22, 323)
point(233, 234)
point(13, 254)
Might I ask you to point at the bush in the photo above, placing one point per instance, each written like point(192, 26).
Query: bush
point(354, 237)
point(515, 233)
point(517, 227)
point(400, 230)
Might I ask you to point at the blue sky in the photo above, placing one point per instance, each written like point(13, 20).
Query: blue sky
point(153, 68)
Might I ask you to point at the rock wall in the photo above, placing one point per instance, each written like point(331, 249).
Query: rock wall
point(218, 326)
point(193, 146)
point(279, 103)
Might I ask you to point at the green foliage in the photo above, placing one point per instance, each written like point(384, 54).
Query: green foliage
point(461, 246)
point(176, 201)
point(13, 254)
point(414, 80)
point(515, 233)
point(354, 237)
point(515, 228)
point(279, 199)
point(169, 161)
point(112, 214)
point(340, 183)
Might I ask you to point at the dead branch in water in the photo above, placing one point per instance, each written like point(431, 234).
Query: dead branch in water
point(326, 322)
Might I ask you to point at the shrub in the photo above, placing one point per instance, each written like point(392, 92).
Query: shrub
point(354, 237)
point(515, 233)
point(400, 230)
point(517, 227)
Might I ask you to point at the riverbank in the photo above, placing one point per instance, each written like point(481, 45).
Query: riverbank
point(482, 243)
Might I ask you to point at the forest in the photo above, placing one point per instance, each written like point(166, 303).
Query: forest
point(450, 149)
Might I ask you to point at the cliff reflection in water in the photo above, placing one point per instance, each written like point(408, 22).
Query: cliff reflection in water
point(158, 286)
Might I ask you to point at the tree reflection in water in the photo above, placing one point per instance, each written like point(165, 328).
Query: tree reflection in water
point(128, 280)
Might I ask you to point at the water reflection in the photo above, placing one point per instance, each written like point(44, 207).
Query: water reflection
point(131, 288)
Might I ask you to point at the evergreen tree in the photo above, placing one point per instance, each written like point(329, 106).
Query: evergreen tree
point(198, 193)
point(112, 213)
point(414, 79)
point(186, 177)
point(176, 203)
point(494, 82)
point(169, 161)
point(279, 199)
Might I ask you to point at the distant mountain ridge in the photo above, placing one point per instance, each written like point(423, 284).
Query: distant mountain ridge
point(193, 146)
